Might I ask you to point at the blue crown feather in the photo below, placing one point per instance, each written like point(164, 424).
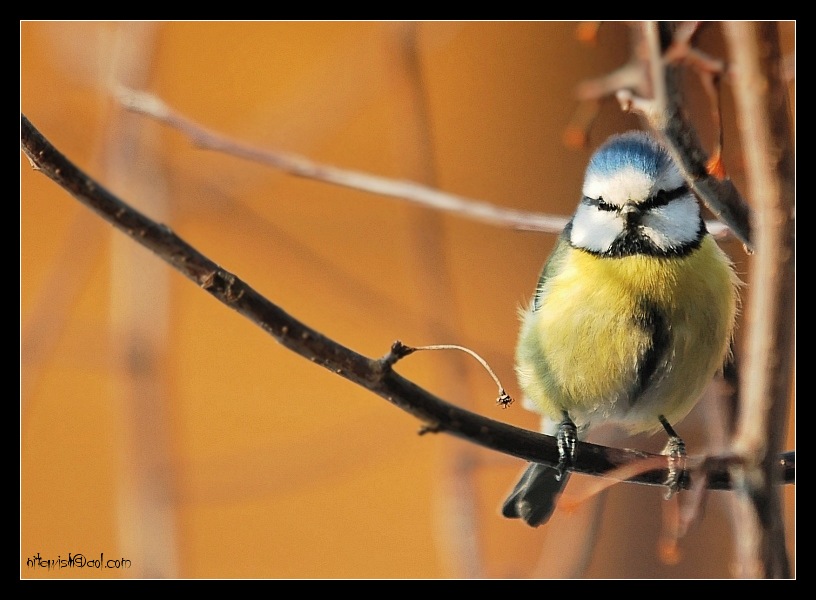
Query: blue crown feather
point(635, 149)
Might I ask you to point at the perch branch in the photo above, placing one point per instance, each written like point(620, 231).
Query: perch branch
point(376, 375)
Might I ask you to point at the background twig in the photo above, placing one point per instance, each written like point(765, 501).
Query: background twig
point(301, 166)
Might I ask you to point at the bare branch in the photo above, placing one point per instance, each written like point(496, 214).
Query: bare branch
point(478, 210)
point(665, 115)
point(300, 166)
point(764, 121)
point(376, 375)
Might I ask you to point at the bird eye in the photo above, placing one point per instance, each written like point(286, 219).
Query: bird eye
point(663, 197)
point(604, 205)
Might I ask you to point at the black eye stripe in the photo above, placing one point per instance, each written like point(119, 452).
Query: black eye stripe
point(661, 198)
point(600, 203)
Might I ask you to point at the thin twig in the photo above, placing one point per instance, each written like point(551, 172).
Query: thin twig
point(504, 400)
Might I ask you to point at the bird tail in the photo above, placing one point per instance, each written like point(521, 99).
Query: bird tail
point(534, 498)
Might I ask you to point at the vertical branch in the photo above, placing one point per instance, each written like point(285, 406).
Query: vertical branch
point(456, 500)
point(139, 322)
point(762, 104)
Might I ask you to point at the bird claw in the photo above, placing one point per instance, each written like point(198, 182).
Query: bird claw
point(676, 451)
point(677, 478)
point(567, 439)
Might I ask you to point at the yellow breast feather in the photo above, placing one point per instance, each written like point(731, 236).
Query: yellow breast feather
point(604, 316)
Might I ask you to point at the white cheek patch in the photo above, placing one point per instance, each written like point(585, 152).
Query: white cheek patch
point(624, 185)
point(595, 229)
point(673, 225)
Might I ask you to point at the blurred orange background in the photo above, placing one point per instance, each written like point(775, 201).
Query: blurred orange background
point(159, 427)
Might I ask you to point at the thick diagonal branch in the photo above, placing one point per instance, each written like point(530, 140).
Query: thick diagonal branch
point(376, 375)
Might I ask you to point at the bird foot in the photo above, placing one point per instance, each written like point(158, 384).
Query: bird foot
point(676, 451)
point(567, 437)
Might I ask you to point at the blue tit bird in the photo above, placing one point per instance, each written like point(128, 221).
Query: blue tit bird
point(632, 316)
